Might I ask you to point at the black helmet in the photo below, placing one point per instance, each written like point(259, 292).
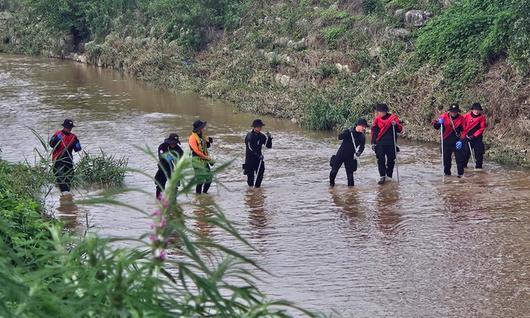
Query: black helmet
point(455, 108)
point(382, 107)
point(172, 139)
point(361, 122)
point(68, 123)
point(198, 124)
point(257, 123)
point(476, 106)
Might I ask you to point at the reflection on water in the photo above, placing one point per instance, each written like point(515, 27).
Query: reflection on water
point(68, 211)
point(427, 247)
point(203, 211)
point(347, 200)
point(73, 216)
point(255, 199)
point(386, 203)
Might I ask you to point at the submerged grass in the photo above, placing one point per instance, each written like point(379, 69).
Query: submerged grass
point(101, 169)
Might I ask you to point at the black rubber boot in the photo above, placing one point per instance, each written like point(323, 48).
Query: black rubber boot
point(381, 181)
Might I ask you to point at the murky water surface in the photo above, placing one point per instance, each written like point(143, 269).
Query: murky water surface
point(426, 247)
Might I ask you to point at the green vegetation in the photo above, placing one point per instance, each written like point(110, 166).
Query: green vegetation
point(173, 270)
point(321, 63)
point(100, 169)
point(21, 224)
point(188, 22)
point(479, 30)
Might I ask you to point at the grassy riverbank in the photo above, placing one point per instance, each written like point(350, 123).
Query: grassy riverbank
point(171, 270)
point(320, 63)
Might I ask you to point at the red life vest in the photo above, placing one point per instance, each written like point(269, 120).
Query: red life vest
point(385, 124)
point(64, 145)
point(478, 124)
point(451, 124)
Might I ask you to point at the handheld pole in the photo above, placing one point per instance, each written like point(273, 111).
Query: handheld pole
point(395, 151)
point(471, 154)
point(442, 147)
point(261, 160)
point(355, 150)
point(257, 172)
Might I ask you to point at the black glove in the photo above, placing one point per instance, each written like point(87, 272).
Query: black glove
point(210, 139)
point(261, 157)
point(358, 154)
point(268, 135)
point(373, 147)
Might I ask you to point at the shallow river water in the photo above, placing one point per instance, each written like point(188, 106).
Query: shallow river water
point(426, 247)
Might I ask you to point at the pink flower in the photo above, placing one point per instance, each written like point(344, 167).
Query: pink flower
point(163, 222)
point(160, 254)
point(164, 201)
point(156, 213)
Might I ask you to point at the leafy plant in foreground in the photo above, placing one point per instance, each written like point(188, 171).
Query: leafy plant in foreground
point(172, 270)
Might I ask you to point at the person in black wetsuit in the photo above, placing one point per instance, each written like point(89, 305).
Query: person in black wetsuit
point(169, 153)
point(349, 151)
point(254, 167)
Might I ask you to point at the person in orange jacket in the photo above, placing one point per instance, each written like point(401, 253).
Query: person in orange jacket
point(199, 144)
point(474, 126)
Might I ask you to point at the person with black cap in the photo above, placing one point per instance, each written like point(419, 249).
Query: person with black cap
point(452, 124)
point(199, 144)
point(64, 142)
point(169, 152)
point(384, 134)
point(353, 141)
point(474, 126)
point(254, 167)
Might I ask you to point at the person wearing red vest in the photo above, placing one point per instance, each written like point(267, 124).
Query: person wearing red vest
point(383, 141)
point(64, 142)
point(474, 126)
point(452, 125)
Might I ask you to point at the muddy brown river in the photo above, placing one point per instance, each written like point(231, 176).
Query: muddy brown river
point(426, 247)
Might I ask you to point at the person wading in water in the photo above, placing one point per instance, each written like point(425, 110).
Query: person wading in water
point(199, 144)
point(452, 125)
point(64, 142)
point(254, 166)
point(384, 134)
point(352, 147)
point(474, 126)
point(169, 152)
